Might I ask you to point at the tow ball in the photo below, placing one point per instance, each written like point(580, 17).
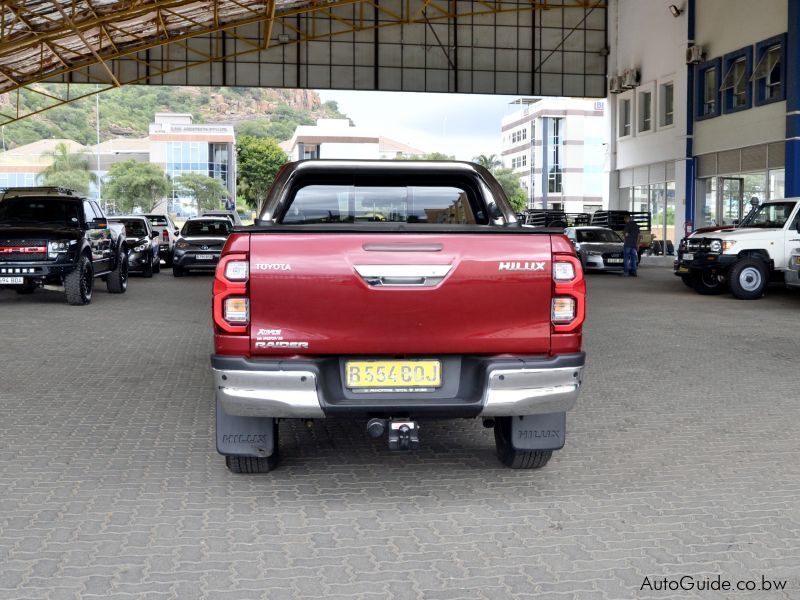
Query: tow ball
point(403, 435)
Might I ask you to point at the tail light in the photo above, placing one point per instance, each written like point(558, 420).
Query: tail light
point(231, 302)
point(236, 309)
point(165, 235)
point(569, 294)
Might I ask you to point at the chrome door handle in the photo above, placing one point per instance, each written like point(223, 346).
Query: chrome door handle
point(402, 275)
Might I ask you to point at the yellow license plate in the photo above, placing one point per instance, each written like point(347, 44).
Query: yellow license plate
point(393, 373)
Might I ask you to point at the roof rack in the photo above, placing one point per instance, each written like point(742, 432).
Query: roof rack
point(578, 219)
point(615, 219)
point(43, 190)
point(542, 217)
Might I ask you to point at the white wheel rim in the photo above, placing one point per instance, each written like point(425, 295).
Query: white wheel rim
point(750, 279)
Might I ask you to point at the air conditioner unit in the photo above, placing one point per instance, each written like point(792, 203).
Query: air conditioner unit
point(694, 55)
point(630, 78)
point(614, 85)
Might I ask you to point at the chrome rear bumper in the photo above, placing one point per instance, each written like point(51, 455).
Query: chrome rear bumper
point(505, 387)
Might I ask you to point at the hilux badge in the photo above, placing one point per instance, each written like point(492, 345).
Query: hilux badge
point(521, 266)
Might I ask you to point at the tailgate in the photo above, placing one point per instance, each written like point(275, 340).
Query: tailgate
point(371, 294)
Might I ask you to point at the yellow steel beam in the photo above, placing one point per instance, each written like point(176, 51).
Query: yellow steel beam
point(86, 42)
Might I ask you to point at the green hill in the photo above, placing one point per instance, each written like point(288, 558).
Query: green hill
point(127, 112)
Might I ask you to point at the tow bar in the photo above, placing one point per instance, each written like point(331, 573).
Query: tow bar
point(403, 435)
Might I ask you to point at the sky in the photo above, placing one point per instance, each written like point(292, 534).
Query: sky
point(462, 125)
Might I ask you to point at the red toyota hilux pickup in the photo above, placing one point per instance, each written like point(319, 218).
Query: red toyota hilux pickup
point(390, 292)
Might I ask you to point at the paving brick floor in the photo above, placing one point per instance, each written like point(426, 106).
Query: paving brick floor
point(682, 458)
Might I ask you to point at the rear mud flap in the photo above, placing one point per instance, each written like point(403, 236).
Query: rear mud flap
point(539, 432)
point(244, 436)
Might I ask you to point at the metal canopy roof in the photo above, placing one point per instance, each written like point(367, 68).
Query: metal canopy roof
point(522, 46)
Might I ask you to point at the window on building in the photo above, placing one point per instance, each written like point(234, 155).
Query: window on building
point(740, 83)
point(708, 78)
point(556, 151)
point(667, 104)
point(709, 91)
point(735, 87)
point(624, 117)
point(645, 111)
point(769, 72)
point(519, 161)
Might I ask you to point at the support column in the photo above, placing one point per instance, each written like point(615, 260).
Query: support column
point(793, 100)
point(689, 166)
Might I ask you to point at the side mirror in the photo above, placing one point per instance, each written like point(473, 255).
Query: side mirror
point(177, 232)
point(154, 236)
point(98, 224)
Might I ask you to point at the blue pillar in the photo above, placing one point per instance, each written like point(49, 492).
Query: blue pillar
point(793, 100)
point(690, 187)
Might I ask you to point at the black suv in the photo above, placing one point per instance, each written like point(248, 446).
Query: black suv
point(53, 238)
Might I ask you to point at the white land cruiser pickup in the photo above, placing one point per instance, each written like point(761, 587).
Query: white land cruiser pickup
point(746, 258)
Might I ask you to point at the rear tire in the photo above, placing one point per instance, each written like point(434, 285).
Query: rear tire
point(705, 283)
point(117, 280)
point(156, 265)
point(148, 269)
point(177, 272)
point(168, 260)
point(245, 465)
point(687, 281)
point(749, 278)
point(512, 457)
point(79, 283)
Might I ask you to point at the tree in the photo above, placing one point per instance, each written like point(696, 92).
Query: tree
point(207, 191)
point(490, 162)
point(68, 170)
point(136, 184)
point(510, 184)
point(258, 161)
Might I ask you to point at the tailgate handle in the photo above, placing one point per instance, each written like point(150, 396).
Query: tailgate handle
point(401, 247)
point(403, 275)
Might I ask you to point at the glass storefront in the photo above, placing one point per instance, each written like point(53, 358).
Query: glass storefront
point(777, 184)
point(725, 200)
point(659, 200)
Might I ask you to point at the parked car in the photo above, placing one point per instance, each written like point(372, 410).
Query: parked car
point(199, 244)
point(53, 238)
point(231, 215)
point(369, 290)
point(599, 248)
point(744, 259)
point(168, 233)
point(143, 244)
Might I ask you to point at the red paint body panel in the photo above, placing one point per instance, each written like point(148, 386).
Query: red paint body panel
point(476, 309)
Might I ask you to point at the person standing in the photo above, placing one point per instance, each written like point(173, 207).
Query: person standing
point(630, 248)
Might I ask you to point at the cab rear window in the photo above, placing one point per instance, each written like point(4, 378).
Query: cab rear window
point(134, 228)
point(430, 204)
